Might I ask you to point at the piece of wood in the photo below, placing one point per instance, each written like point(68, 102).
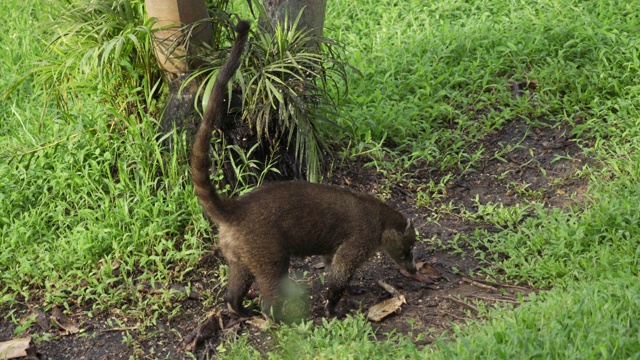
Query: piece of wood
point(496, 284)
point(388, 288)
point(16, 348)
point(460, 302)
point(172, 55)
point(504, 299)
point(480, 285)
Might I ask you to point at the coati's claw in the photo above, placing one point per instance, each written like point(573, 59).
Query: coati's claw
point(328, 312)
point(332, 313)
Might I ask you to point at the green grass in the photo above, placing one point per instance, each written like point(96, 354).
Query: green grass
point(588, 320)
point(351, 338)
point(438, 72)
point(556, 248)
point(84, 188)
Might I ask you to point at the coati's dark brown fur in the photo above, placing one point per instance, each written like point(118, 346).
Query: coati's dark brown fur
point(260, 231)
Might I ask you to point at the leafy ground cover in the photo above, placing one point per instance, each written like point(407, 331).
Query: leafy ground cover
point(509, 130)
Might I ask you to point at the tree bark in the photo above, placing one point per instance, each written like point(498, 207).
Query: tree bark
point(173, 54)
point(312, 17)
point(172, 15)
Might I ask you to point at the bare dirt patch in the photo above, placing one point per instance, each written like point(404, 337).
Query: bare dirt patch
point(522, 163)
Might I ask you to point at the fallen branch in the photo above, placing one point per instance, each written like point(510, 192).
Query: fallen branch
point(502, 285)
point(390, 289)
point(460, 302)
point(208, 328)
point(503, 299)
point(480, 285)
point(126, 328)
point(453, 315)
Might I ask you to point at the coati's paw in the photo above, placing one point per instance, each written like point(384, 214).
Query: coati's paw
point(243, 312)
point(331, 312)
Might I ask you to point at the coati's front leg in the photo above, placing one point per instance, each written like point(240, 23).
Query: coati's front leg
point(239, 281)
point(344, 264)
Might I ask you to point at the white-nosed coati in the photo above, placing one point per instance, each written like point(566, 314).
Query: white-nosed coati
point(261, 230)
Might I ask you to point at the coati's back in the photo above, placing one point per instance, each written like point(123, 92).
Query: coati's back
point(309, 219)
point(295, 213)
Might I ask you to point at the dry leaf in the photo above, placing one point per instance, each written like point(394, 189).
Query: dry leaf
point(428, 270)
point(18, 348)
point(258, 322)
point(42, 320)
point(209, 328)
point(383, 309)
point(63, 322)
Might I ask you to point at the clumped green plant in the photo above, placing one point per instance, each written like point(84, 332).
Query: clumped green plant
point(285, 91)
point(94, 203)
point(503, 217)
point(106, 47)
point(99, 46)
point(557, 247)
point(290, 83)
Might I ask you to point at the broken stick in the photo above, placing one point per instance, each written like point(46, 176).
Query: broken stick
point(390, 289)
point(480, 285)
point(517, 287)
point(207, 329)
point(460, 302)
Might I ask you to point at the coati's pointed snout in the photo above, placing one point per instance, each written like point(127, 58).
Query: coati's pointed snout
point(408, 264)
point(399, 247)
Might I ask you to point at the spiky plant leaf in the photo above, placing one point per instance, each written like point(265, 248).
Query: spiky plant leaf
point(100, 46)
point(285, 85)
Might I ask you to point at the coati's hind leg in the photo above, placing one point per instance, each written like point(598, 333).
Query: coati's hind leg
point(239, 282)
point(270, 276)
point(345, 263)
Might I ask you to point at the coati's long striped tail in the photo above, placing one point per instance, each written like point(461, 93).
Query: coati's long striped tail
point(213, 204)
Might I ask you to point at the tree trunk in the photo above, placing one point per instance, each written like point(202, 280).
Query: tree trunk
point(174, 58)
point(312, 17)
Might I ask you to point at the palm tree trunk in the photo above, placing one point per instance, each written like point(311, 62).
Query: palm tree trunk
point(173, 57)
point(312, 17)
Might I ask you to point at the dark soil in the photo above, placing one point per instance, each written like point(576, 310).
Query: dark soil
point(540, 164)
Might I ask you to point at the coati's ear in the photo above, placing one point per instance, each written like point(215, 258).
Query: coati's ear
point(409, 225)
